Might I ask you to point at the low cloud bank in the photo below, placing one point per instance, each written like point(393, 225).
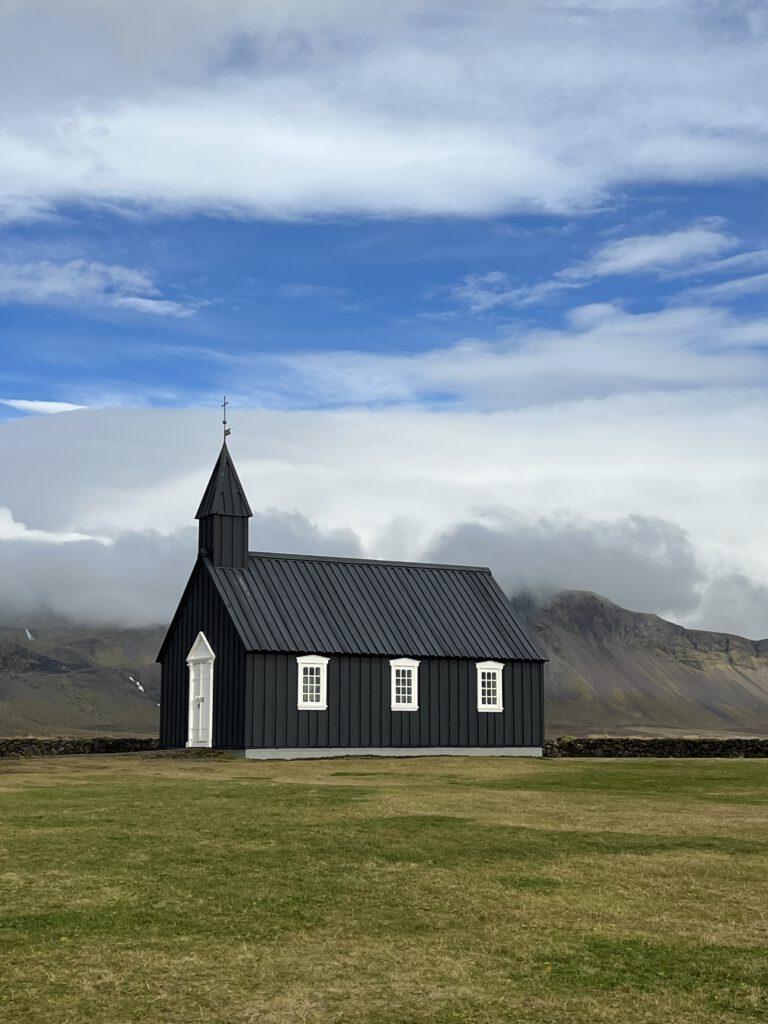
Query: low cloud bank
point(656, 501)
point(639, 562)
point(135, 580)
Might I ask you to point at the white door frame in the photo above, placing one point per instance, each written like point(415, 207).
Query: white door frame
point(200, 657)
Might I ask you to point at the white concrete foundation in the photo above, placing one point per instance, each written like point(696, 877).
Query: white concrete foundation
point(297, 753)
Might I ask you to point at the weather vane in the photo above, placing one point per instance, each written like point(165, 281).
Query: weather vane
point(224, 405)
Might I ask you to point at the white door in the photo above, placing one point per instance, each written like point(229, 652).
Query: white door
point(200, 663)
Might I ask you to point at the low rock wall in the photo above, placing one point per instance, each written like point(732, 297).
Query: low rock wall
point(46, 747)
point(565, 746)
point(621, 746)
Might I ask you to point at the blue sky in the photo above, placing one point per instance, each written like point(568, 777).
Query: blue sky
point(484, 280)
point(243, 288)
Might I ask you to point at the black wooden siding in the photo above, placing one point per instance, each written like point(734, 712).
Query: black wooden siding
point(202, 609)
point(224, 539)
point(359, 714)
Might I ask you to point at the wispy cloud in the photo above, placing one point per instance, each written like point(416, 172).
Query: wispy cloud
point(682, 252)
point(647, 254)
point(37, 406)
point(301, 291)
point(82, 282)
point(755, 284)
point(603, 349)
point(484, 292)
point(750, 260)
point(24, 210)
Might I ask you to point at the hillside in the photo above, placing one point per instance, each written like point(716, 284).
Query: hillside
point(622, 672)
point(611, 671)
point(78, 680)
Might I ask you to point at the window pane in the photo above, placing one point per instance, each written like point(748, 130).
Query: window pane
point(403, 686)
point(489, 687)
point(310, 684)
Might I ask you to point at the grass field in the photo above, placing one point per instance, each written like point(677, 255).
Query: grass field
point(449, 891)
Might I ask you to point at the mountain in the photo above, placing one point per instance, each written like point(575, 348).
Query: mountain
point(629, 673)
point(79, 681)
point(610, 671)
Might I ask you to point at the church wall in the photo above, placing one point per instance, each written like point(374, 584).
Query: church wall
point(359, 713)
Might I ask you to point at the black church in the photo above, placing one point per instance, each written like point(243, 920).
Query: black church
point(272, 655)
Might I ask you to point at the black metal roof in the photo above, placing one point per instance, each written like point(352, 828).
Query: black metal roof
point(224, 495)
point(311, 604)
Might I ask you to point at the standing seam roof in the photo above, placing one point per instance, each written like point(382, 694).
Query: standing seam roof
point(355, 606)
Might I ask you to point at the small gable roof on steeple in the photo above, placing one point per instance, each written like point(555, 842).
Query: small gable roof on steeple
point(224, 495)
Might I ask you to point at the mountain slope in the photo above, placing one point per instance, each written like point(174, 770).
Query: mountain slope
point(621, 672)
point(610, 671)
point(78, 680)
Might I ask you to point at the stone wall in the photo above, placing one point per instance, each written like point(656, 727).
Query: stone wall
point(31, 747)
point(615, 746)
point(608, 746)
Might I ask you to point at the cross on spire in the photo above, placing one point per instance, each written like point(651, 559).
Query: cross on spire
point(227, 430)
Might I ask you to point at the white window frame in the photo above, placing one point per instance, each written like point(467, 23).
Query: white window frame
point(394, 665)
point(498, 668)
point(312, 661)
point(200, 654)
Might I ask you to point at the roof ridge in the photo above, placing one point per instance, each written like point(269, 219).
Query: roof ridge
point(369, 561)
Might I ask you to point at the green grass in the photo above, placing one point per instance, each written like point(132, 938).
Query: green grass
point(145, 888)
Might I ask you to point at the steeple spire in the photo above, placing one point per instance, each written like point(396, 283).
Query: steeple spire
point(224, 495)
point(224, 513)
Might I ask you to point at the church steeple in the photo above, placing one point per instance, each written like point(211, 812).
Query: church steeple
point(223, 514)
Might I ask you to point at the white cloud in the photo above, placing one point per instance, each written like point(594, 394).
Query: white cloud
point(738, 603)
point(642, 561)
point(322, 292)
point(482, 293)
point(755, 284)
point(295, 109)
point(684, 252)
point(35, 406)
point(11, 530)
point(751, 260)
point(602, 350)
point(133, 580)
point(640, 254)
point(23, 210)
point(85, 283)
point(663, 482)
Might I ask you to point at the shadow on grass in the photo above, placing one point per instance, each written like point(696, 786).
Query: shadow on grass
point(735, 979)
